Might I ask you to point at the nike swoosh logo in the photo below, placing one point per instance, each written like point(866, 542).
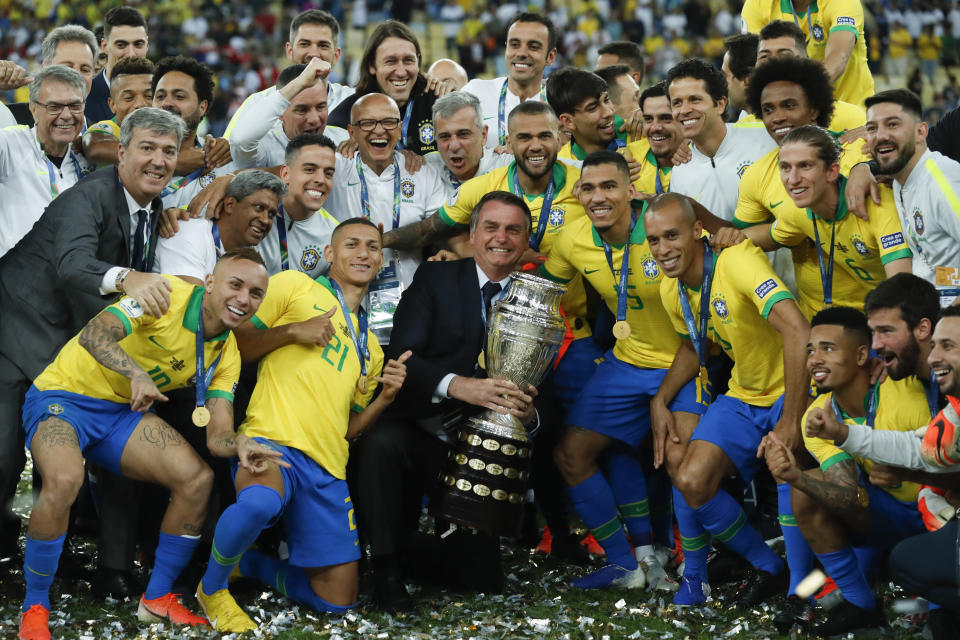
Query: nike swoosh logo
point(352, 184)
point(154, 341)
point(774, 206)
point(589, 271)
point(319, 309)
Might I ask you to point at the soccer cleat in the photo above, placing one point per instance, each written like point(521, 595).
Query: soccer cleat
point(167, 607)
point(760, 585)
point(35, 623)
point(847, 617)
point(797, 613)
point(611, 575)
point(592, 546)
point(828, 597)
point(692, 593)
point(656, 575)
point(223, 612)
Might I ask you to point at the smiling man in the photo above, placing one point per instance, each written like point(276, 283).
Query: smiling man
point(131, 87)
point(661, 139)
point(249, 208)
point(584, 110)
point(531, 47)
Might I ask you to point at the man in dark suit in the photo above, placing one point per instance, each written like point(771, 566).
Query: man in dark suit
point(124, 35)
point(94, 240)
point(441, 319)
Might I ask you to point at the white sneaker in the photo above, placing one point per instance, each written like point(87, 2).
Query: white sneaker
point(656, 575)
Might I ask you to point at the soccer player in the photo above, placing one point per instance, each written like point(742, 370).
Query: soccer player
point(662, 136)
point(734, 300)
point(93, 403)
point(833, 30)
point(582, 104)
point(925, 182)
point(131, 87)
point(835, 508)
point(623, 91)
point(611, 415)
point(124, 35)
point(308, 402)
point(531, 47)
point(623, 52)
point(299, 105)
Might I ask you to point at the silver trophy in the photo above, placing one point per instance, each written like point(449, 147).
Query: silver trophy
point(484, 482)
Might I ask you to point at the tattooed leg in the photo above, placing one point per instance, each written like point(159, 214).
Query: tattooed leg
point(59, 461)
point(156, 453)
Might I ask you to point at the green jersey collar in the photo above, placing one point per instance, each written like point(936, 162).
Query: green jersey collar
point(639, 235)
point(559, 180)
point(841, 201)
point(191, 317)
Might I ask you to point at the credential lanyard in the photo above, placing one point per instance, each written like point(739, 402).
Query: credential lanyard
point(797, 21)
point(502, 111)
point(365, 194)
point(359, 342)
point(699, 335)
point(406, 124)
point(217, 244)
point(282, 235)
point(624, 269)
point(203, 376)
point(932, 390)
point(536, 238)
point(871, 407)
point(826, 271)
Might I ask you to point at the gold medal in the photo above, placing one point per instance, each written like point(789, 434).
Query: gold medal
point(621, 330)
point(363, 384)
point(201, 416)
point(482, 361)
point(703, 386)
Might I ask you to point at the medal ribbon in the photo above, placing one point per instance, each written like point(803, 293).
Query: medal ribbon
point(699, 336)
point(536, 238)
point(624, 269)
point(871, 407)
point(217, 244)
point(797, 21)
point(203, 376)
point(502, 111)
point(826, 272)
point(175, 186)
point(282, 236)
point(406, 125)
point(365, 194)
point(359, 343)
point(932, 390)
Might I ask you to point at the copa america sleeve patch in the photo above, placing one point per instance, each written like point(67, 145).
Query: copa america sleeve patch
point(131, 307)
point(765, 287)
point(846, 21)
point(891, 240)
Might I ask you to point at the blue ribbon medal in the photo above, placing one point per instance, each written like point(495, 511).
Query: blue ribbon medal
point(359, 342)
point(201, 415)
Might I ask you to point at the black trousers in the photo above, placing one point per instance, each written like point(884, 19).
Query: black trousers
point(927, 565)
point(13, 386)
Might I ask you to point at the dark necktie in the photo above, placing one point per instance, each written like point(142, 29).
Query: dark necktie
point(139, 253)
point(489, 292)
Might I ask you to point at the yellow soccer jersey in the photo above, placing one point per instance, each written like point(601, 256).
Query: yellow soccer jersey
point(821, 19)
point(901, 406)
point(109, 127)
point(164, 347)
point(652, 342)
point(845, 116)
point(743, 292)
point(647, 182)
point(861, 249)
point(565, 209)
point(304, 393)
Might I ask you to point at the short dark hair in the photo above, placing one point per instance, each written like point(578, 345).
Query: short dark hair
point(202, 74)
point(915, 297)
point(529, 16)
point(122, 17)
point(852, 320)
point(713, 79)
point(654, 91)
point(629, 53)
point(387, 29)
point(352, 221)
point(809, 74)
point(503, 197)
point(783, 28)
point(132, 67)
point(953, 311)
point(243, 253)
point(530, 108)
point(904, 97)
point(827, 146)
point(568, 87)
point(295, 146)
point(610, 75)
point(315, 16)
point(742, 48)
point(605, 156)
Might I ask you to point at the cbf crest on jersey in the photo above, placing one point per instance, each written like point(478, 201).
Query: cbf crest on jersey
point(557, 216)
point(860, 245)
point(817, 32)
point(407, 188)
point(719, 304)
point(918, 224)
point(426, 133)
point(310, 258)
point(650, 268)
point(743, 167)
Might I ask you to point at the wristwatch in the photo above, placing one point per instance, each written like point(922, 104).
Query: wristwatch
point(121, 276)
point(863, 498)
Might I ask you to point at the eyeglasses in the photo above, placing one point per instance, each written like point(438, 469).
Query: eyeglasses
point(55, 108)
point(369, 124)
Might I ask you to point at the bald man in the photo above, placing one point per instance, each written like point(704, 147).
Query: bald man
point(446, 69)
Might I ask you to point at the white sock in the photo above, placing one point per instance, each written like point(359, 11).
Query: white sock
point(643, 551)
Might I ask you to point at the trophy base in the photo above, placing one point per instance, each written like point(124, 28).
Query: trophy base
point(483, 484)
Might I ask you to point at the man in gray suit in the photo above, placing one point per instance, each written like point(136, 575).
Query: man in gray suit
point(96, 239)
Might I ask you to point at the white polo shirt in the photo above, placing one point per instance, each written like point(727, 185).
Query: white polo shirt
point(259, 140)
point(191, 251)
point(488, 92)
point(29, 181)
point(306, 240)
point(488, 162)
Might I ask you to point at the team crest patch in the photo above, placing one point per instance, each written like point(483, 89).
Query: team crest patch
point(54, 409)
point(765, 287)
point(131, 307)
point(207, 180)
point(860, 245)
point(557, 214)
point(310, 258)
point(918, 222)
point(742, 168)
point(650, 268)
point(426, 133)
point(817, 32)
point(719, 305)
point(407, 188)
point(891, 240)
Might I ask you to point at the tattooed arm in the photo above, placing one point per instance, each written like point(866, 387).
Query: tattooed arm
point(223, 442)
point(101, 338)
point(418, 234)
point(836, 489)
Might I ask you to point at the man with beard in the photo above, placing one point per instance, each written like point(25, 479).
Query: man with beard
point(299, 105)
point(662, 137)
point(835, 508)
point(582, 104)
point(926, 183)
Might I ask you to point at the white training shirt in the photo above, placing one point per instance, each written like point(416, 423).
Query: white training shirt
point(192, 251)
point(929, 206)
point(259, 140)
point(25, 181)
point(306, 240)
point(488, 92)
point(335, 95)
point(488, 162)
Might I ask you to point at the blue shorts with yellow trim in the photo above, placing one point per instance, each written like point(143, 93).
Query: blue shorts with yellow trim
point(317, 511)
point(576, 365)
point(102, 427)
point(737, 428)
point(616, 400)
point(890, 520)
